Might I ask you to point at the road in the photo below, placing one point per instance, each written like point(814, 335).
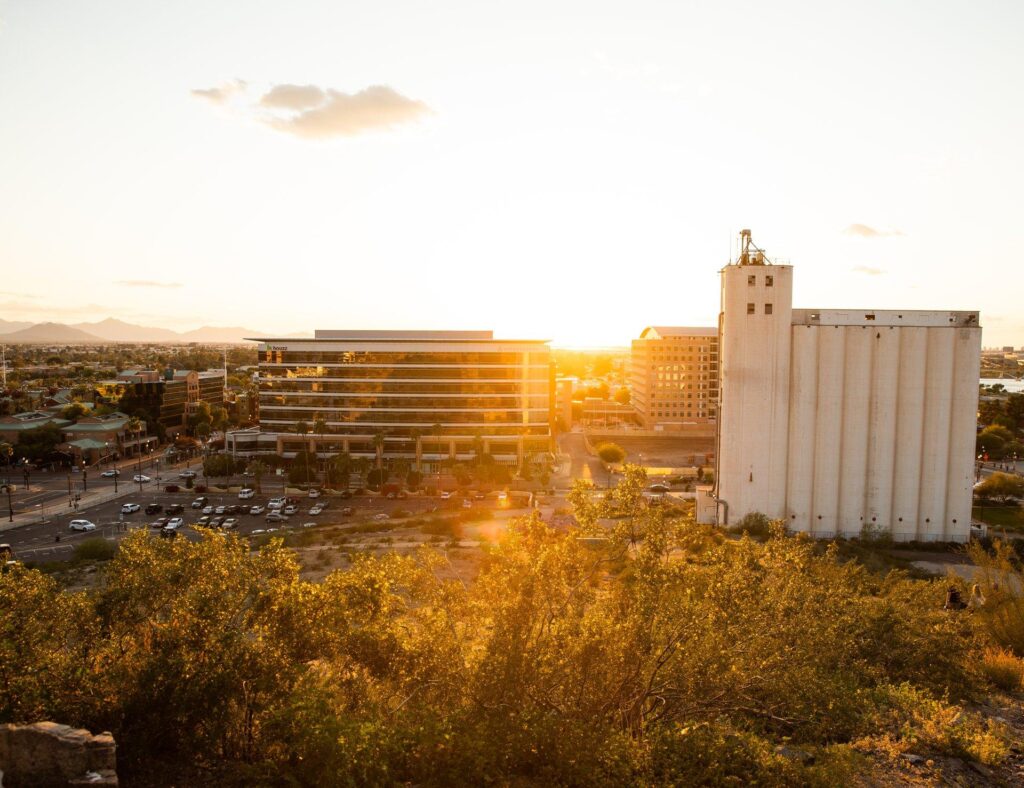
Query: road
point(584, 465)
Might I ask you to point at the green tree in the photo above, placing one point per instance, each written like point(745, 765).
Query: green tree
point(610, 454)
point(257, 469)
point(74, 411)
point(622, 396)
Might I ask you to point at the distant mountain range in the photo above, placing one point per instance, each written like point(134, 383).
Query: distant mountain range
point(113, 330)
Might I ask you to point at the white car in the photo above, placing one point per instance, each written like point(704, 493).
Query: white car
point(207, 510)
point(314, 493)
point(82, 525)
point(246, 494)
point(275, 503)
point(111, 473)
point(290, 509)
point(130, 508)
point(219, 510)
point(230, 522)
point(187, 475)
point(445, 496)
point(141, 478)
point(276, 517)
point(315, 510)
point(309, 525)
point(257, 509)
point(174, 523)
point(382, 516)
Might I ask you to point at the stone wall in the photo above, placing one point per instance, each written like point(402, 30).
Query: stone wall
point(49, 754)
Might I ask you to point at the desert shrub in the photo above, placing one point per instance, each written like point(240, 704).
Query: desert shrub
point(95, 548)
point(755, 524)
point(1003, 669)
point(443, 526)
point(1001, 582)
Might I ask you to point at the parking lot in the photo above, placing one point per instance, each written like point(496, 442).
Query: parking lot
point(55, 541)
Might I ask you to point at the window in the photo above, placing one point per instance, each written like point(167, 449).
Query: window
point(767, 309)
point(769, 281)
point(750, 309)
point(751, 280)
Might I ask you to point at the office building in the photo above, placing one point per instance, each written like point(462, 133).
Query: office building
point(422, 396)
point(843, 421)
point(674, 376)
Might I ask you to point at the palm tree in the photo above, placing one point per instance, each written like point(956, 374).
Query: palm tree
point(6, 451)
point(378, 444)
point(416, 434)
point(319, 427)
point(257, 469)
point(436, 430)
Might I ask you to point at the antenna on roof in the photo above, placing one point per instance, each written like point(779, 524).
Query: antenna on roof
point(3, 362)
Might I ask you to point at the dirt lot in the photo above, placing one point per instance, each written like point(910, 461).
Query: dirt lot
point(670, 451)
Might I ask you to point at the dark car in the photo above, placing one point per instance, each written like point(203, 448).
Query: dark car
point(200, 502)
point(345, 494)
point(154, 508)
point(160, 523)
point(215, 522)
point(204, 520)
point(233, 509)
point(174, 509)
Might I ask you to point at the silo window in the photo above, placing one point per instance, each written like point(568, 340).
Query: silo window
point(767, 309)
point(751, 280)
point(750, 309)
point(769, 281)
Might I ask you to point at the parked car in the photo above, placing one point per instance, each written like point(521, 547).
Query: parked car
point(308, 525)
point(246, 493)
point(160, 523)
point(315, 510)
point(479, 496)
point(216, 522)
point(257, 509)
point(291, 509)
point(141, 477)
point(130, 508)
point(391, 495)
point(219, 510)
point(446, 495)
point(168, 533)
point(204, 520)
point(314, 493)
point(187, 475)
point(154, 508)
point(175, 523)
point(207, 509)
point(200, 502)
point(111, 473)
point(235, 508)
point(275, 503)
point(276, 517)
point(82, 525)
point(174, 509)
point(230, 522)
point(347, 510)
point(382, 516)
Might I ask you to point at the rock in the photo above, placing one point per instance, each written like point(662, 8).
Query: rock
point(981, 769)
point(912, 759)
point(46, 753)
point(793, 754)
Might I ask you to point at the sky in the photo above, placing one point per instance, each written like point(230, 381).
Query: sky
point(566, 170)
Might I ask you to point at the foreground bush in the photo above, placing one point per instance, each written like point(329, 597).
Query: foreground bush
point(658, 653)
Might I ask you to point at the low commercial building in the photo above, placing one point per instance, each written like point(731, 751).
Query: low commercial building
point(426, 397)
point(169, 396)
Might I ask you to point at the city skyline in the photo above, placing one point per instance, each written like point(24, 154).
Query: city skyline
point(587, 177)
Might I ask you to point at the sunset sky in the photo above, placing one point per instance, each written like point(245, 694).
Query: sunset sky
point(567, 170)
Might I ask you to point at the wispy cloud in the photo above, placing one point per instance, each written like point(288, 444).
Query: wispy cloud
point(12, 294)
point(314, 113)
point(867, 269)
point(863, 231)
point(146, 283)
point(221, 93)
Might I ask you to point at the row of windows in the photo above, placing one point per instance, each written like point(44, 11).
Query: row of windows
point(769, 280)
point(354, 388)
point(486, 429)
point(752, 308)
point(336, 357)
point(427, 417)
point(416, 403)
point(409, 373)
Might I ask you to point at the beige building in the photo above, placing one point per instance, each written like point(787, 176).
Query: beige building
point(837, 421)
point(674, 376)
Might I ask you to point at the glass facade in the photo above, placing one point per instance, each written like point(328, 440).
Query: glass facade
point(435, 400)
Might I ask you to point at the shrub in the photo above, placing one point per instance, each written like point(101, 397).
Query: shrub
point(754, 524)
point(1003, 669)
point(95, 548)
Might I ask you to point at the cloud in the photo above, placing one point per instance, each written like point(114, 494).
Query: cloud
point(146, 283)
point(221, 93)
point(863, 231)
point(867, 269)
point(314, 113)
point(294, 97)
